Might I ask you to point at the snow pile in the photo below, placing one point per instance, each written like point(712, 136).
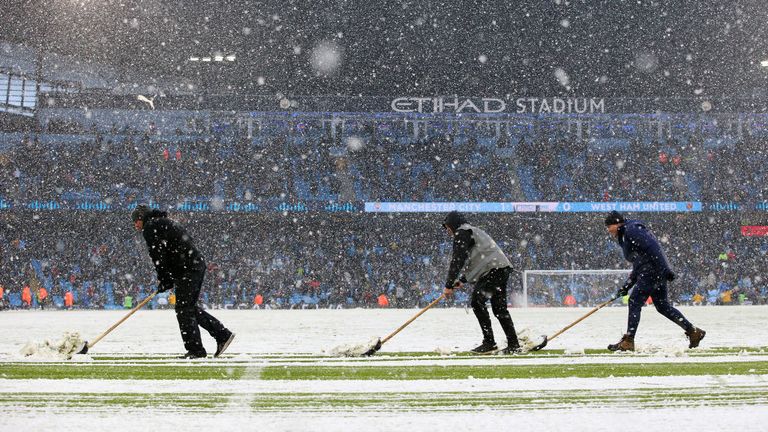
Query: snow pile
point(528, 340)
point(671, 350)
point(61, 349)
point(353, 350)
point(442, 350)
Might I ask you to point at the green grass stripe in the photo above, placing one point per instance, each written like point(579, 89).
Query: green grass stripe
point(512, 400)
point(193, 401)
point(194, 371)
point(588, 352)
point(364, 372)
point(428, 355)
point(200, 371)
point(228, 357)
point(398, 401)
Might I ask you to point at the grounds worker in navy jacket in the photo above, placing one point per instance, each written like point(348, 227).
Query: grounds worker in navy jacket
point(482, 263)
point(180, 265)
point(649, 276)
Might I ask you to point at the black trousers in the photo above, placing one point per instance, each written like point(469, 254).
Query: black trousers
point(190, 315)
point(493, 285)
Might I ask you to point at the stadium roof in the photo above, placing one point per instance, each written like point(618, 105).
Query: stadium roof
point(324, 47)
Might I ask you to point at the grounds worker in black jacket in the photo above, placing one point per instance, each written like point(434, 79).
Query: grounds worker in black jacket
point(180, 265)
point(479, 260)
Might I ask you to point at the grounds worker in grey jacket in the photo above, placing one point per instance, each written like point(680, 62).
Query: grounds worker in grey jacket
point(477, 259)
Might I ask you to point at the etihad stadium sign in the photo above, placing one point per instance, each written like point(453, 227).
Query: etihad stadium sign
point(523, 105)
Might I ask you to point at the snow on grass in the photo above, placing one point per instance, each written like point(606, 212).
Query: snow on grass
point(281, 373)
point(396, 369)
point(691, 419)
point(528, 340)
point(467, 385)
point(53, 349)
point(314, 331)
point(353, 349)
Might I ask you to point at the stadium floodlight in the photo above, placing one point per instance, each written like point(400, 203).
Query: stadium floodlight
point(764, 63)
point(214, 58)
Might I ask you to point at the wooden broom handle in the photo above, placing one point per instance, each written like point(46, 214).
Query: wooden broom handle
point(595, 309)
point(139, 306)
point(426, 308)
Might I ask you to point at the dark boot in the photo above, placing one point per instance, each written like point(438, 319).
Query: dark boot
point(485, 347)
point(695, 335)
point(627, 343)
point(193, 355)
point(513, 347)
point(222, 345)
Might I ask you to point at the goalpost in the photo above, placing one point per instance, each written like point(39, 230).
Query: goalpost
point(577, 287)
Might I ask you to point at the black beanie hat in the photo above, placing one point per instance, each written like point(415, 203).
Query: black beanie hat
point(614, 218)
point(140, 212)
point(454, 220)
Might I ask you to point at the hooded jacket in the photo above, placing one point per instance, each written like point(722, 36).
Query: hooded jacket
point(642, 249)
point(475, 253)
point(172, 251)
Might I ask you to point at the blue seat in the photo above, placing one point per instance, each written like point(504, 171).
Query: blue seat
point(15, 300)
point(310, 300)
point(295, 299)
point(713, 295)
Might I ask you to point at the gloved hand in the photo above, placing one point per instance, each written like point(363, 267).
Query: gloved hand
point(163, 288)
point(670, 276)
point(448, 290)
point(624, 290)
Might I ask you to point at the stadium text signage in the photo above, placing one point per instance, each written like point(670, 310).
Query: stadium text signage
point(528, 105)
point(719, 206)
point(531, 207)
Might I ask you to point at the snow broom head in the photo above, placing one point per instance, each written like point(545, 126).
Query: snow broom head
point(541, 345)
point(84, 349)
point(373, 349)
point(356, 350)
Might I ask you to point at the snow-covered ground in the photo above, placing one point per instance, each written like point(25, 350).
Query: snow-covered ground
point(742, 419)
point(318, 331)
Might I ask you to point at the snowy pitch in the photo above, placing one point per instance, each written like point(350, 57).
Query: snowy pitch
point(282, 373)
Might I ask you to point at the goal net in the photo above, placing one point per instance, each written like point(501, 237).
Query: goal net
point(542, 288)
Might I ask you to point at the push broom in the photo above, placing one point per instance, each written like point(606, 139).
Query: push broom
point(88, 345)
point(564, 329)
point(380, 342)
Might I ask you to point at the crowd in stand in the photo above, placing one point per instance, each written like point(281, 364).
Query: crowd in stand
point(668, 171)
point(304, 161)
point(343, 260)
point(351, 260)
